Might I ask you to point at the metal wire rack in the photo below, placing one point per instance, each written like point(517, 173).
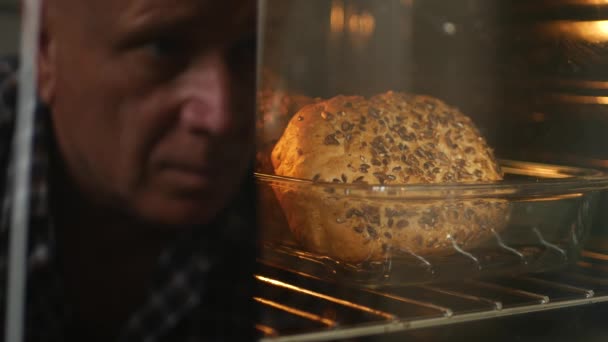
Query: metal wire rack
point(298, 307)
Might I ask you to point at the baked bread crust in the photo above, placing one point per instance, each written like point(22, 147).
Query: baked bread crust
point(391, 138)
point(275, 107)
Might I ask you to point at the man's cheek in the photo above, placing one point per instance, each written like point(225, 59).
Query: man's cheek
point(130, 174)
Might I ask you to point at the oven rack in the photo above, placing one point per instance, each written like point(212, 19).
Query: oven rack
point(297, 307)
point(498, 257)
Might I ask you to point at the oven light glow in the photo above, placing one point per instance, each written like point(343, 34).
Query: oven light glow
point(266, 330)
point(337, 16)
point(279, 283)
point(578, 99)
point(602, 26)
point(362, 25)
point(297, 312)
point(537, 171)
point(359, 24)
point(595, 31)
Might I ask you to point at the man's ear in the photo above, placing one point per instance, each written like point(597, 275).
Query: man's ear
point(46, 57)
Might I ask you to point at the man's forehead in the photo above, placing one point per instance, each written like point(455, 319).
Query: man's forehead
point(145, 9)
point(129, 14)
point(139, 11)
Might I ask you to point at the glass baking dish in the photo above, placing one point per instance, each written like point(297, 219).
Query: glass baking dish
point(537, 218)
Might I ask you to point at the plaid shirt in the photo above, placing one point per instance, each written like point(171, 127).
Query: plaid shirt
point(203, 286)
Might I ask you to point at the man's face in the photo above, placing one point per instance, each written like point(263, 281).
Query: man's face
point(152, 101)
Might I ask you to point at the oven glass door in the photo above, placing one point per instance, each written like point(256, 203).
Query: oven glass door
point(531, 77)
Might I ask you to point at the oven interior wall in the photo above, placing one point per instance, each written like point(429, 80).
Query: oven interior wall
point(533, 75)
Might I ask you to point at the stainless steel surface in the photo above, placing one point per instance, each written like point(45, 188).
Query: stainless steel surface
point(23, 143)
point(357, 312)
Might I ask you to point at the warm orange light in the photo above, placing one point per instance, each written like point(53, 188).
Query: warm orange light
point(367, 24)
point(362, 25)
point(353, 23)
point(537, 171)
point(595, 31)
point(593, 266)
point(538, 117)
point(294, 311)
point(266, 330)
point(337, 16)
point(446, 311)
point(544, 5)
point(552, 198)
point(326, 297)
point(581, 2)
point(602, 26)
point(580, 83)
point(594, 255)
point(579, 99)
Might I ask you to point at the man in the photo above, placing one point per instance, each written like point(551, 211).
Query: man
point(142, 215)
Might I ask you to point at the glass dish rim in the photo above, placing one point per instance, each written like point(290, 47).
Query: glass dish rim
point(547, 180)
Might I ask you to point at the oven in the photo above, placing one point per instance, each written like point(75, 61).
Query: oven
point(532, 76)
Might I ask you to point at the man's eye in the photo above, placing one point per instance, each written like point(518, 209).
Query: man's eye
point(162, 58)
point(163, 48)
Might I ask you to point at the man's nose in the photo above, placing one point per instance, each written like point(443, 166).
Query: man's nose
point(206, 96)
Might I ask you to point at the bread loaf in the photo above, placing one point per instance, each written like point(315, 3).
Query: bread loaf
point(275, 107)
point(389, 139)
